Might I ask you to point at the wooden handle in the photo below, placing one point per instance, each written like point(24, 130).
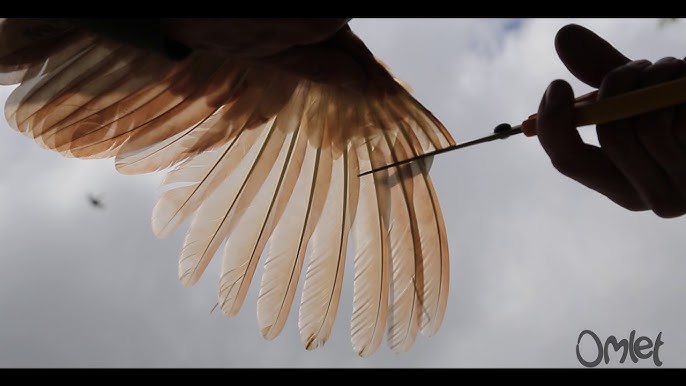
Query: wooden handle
point(588, 111)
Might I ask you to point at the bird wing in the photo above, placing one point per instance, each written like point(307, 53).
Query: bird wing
point(256, 155)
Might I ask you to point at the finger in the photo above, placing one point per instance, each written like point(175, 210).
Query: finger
point(586, 55)
point(572, 157)
point(679, 124)
point(655, 130)
point(622, 146)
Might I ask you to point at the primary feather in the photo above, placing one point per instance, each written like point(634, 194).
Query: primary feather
point(265, 154)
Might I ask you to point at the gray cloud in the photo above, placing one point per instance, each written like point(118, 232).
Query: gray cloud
point(536, 258)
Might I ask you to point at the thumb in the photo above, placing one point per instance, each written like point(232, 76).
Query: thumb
point(555, 122)
point(572, 157)
point(586, 55)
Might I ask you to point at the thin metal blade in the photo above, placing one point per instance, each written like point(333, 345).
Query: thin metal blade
point(498, 135)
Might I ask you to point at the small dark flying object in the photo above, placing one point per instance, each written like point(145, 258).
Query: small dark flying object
point(96, 202)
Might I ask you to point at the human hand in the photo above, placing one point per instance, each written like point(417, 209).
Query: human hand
point(641, 162)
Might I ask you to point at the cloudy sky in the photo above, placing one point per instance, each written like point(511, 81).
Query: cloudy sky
point(535, 257)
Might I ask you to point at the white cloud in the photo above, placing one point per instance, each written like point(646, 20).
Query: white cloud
point(536, 258)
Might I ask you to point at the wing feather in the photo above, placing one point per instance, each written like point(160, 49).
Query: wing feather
point(29, 99)
point(433, 290)
point(405, 251)
point(31, 47)
point(245, 244)
point(222, 210)
point(289, 241)
point(371, 260)
point(213, 204)
point(197, 178)
point(323, 279)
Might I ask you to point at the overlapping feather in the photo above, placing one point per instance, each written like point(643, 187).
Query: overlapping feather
point(371, 259)
point(290, 238)
point(261, 158)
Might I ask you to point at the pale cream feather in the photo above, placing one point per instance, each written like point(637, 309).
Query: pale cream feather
point(403, 237)
point(432, 284)
point(289, 241)
point(371, 260)
point(323, 279)
point(220, 212)
point(264, 207)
